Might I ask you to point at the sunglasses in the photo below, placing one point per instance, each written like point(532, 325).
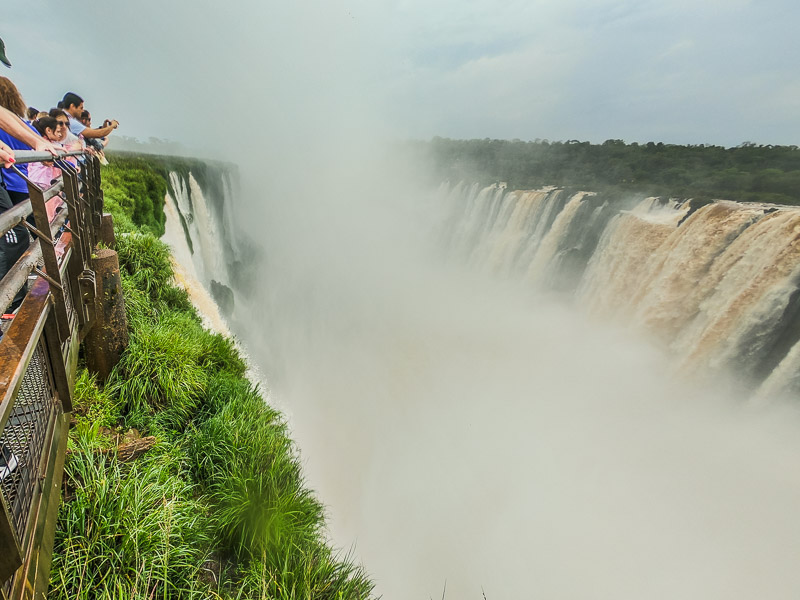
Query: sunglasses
point(64, 123)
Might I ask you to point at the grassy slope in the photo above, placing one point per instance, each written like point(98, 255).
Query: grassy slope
point(218, 507)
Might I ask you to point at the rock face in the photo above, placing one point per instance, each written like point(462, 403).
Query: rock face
point(223, 296)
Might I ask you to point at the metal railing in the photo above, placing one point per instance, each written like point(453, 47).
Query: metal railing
point(38, 358)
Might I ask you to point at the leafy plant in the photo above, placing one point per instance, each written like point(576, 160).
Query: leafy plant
point(128, 531)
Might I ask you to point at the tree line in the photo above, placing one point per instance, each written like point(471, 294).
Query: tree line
point(748, 172)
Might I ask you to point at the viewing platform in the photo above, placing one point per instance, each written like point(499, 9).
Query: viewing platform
point(38, 360)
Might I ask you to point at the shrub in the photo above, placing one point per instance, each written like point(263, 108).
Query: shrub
point(252, 478)
point(162, 370)
point(137, 190)
point(128, 531)
point(93, 405)
point(317, 574)
point(146, 261)
point(265, 516)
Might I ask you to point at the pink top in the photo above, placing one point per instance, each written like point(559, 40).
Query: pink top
point(43, 173)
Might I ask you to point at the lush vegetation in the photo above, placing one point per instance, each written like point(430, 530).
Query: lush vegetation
point(134, 190)
point(747, 172)
point(218, 507)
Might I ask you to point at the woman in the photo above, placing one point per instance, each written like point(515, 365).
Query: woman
point(68, 140)
point(44, 174)
point(11, 99)
point(15, 189)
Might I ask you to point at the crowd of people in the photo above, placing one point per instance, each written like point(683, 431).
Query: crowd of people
point(65, 127)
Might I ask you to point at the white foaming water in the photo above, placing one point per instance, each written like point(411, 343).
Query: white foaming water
point(465, 436)
point(185, 271)
point(461, 429)
point(186, 264)
point(206, 256)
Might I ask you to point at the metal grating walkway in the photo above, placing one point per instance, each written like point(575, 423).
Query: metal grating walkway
point(24, 435)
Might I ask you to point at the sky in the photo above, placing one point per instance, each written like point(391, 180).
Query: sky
point(203, 72)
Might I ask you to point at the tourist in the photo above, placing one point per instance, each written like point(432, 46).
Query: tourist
point(14, 187)
point(96, 144)
point(11, 100)
point(32, 113)
point(12, 245)
point(68, 140)
point(44, 174)
point(73, 105)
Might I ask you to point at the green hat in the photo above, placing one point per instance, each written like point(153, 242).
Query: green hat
point(3, 57)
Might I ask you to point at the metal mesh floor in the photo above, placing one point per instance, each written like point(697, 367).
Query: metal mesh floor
point(24, 436)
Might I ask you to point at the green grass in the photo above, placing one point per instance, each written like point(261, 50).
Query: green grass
point(218, 508)
point(93, 405)
point(252, 479)
point(129, 531)
point(134, 192)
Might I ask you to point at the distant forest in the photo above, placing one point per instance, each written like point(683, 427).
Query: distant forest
point(749, 172)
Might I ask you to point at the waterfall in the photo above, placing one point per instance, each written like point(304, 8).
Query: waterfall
point(717, 284)
point(200, 231)
point(511, 441)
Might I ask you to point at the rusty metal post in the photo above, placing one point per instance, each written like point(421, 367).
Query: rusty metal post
point(108, 337)
point(106, 233)
point(77, 213)
point(96, 191)
point(50, 259)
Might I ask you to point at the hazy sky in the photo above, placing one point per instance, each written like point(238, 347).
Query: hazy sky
point(681, 71)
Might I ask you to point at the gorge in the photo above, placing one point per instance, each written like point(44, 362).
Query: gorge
point(547, 392)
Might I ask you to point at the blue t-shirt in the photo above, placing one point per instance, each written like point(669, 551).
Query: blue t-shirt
point(12, 181)
point(76, 126)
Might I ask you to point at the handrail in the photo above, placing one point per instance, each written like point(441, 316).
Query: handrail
point(16, 214)
point(18, 274)
point(38, 355)
point(22, 157)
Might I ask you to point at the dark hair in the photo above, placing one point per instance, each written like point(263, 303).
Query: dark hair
point(32, 112)
point(57, 112)
point(45, 123)
point(71, 99)
point(60, 104)
point(10, 97)
point(85, 114)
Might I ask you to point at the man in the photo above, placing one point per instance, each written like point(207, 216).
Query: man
point(73, 104)
point(97, 143)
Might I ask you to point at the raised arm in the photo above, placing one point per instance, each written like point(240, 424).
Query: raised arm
point(100, 132)
point(12, 124)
